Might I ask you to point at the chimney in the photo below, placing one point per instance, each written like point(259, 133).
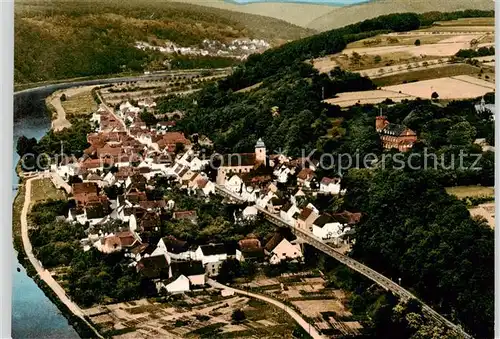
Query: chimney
point(380, 123)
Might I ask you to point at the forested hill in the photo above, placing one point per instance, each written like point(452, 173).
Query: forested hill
point(58, 39)
point(260, 66)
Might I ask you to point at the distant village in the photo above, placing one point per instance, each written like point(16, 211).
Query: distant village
point(237, 49)
point(125, 153)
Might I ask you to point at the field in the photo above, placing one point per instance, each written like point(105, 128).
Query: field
point(425, 73)
point(199, 314)
point(468, 22)
point(458, 87)
point(471, 191)
point(366, 97)
point(59, 39)
point(43, 189)
point(79, 101)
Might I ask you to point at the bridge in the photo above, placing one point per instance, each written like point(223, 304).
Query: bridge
point(355, 265)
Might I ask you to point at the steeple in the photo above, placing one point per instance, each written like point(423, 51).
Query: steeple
point(260, 151)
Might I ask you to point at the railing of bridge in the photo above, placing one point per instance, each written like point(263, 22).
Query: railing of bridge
point(373, 275)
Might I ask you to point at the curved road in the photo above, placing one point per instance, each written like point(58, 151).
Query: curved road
point(304, 324)
point(373, 275)
point(43, 273)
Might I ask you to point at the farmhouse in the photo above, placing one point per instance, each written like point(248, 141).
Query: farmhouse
point(394, 135)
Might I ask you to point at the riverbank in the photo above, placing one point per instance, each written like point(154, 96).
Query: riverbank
point(80, 326)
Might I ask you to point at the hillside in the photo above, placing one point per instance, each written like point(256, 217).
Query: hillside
point(324, 17)
point(342, 16)
point(64, 39)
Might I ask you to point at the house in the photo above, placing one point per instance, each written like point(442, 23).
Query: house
point(192, 269)
point(394, 135)
point(297, 196)
point(183, 275)
point(140, 251)
point(211, 256)
point(285, 251)
point(305, 177)
point(288, 211)
point(335, 227)
point(250, 213)
point(186, 215)
point(249, 249)
point(206, 186)
point(173, 248)
point(241, 162)
point(154, 267)
point(306, 219)
point(329, 185)
point(275, 204)
point(84, 191)
point(180, 284)
point(117, 242)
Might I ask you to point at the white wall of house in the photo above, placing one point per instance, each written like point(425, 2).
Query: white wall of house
point(197, 280)
point(205, 259)
point(331, 188)
point(285, 250)
point(250, 212)
point(234, 184)
point(288, 215)
point(179, 285)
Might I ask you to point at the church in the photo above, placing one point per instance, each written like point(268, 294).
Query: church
point(241, 162)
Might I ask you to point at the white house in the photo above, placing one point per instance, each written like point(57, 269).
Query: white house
point(179, 285)
point(329, 228)
point(234, 184)
point(173, 248)
point(288, 211)
point(249, 213)
point(285, 251)
point(329, 185)
point(211, 253)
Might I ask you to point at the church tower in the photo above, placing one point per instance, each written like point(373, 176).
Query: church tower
point(260, 151)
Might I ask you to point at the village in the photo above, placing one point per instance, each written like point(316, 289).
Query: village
point(114, 159)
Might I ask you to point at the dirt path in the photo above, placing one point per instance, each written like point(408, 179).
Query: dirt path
point(43, 273)
point(61, 122)
point(304, 324)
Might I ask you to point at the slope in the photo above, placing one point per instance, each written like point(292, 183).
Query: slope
point(64, 39)
point(342, 16)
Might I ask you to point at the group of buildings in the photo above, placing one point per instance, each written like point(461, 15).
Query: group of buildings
point(110, 187)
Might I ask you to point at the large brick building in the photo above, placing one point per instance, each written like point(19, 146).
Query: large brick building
point(395, 136)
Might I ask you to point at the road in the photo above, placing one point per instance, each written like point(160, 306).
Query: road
point(43, 273)
point(371, 274)
point(153, 76)
point(304, 324)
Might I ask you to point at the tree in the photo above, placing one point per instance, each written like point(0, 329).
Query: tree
point(377, 59)
point(228, 271)
point(238, 316)
point(434, 95)
point(63, 97)
point(148, 118)
point(417, 42)
point(462, 133)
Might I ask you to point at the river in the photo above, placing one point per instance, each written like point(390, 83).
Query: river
point(33, 314)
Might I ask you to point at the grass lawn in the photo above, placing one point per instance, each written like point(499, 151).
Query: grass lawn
point(471, 191)
point(427, 74)
point(80, 102)
point(43, 189)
